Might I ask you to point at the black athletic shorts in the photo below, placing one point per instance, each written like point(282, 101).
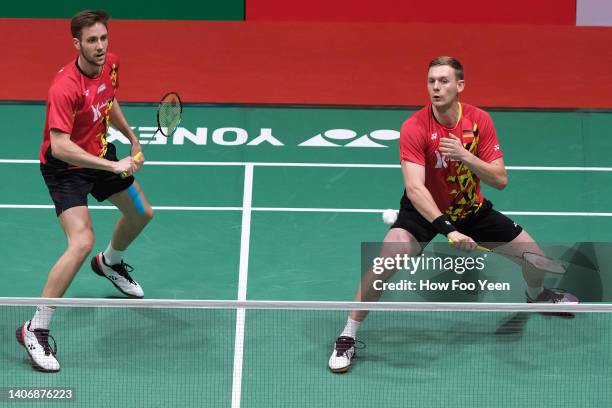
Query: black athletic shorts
point(486, 226)
point(69, 187)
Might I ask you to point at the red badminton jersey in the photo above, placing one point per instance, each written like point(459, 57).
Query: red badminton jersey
point(80, 106)
point(454, 187)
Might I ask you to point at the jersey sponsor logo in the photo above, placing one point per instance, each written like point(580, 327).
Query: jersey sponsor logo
point(350, 138)
point(97, 110)
point(441, 161)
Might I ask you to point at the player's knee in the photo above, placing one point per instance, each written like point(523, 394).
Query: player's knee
point(83, 243)
point(142, 217)
point(148, 213)
point(401, 241)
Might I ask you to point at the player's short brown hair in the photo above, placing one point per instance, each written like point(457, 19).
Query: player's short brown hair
point(451, 62)
point(86, 18)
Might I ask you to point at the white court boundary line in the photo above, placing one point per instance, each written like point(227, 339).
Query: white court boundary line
point(296, 209)
point(245, 239)
point(337, 165)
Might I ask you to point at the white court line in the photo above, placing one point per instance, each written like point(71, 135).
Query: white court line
point(110, 207)
point(368, 210)
point(559, 214)
point(558, 168)
point(269, 164)
point(342, 210)
point(336, 165)
point(320, 210)
point(245, 239)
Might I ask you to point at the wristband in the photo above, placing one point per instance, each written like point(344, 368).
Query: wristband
point(443, 225)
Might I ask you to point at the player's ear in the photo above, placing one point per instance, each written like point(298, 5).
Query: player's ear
point(77, 44)
point(460, 85)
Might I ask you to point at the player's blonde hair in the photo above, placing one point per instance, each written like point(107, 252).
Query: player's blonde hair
point(451, 62)
point(86, 18)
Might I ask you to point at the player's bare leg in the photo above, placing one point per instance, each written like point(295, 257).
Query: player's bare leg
point(34, 334)
point(397, 242)
point(400, 242)
point(76, 223)
point(136, 213)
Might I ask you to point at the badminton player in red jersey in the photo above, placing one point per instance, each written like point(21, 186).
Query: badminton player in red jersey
point(446, 149)
point(76, 160)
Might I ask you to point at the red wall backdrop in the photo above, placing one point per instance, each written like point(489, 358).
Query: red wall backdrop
point(558, 12)
point(323, 63)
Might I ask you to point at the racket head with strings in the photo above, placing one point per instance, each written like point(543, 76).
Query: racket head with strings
point(544, 263)
point(169, 116)
point(169, 113)
point(537, 261)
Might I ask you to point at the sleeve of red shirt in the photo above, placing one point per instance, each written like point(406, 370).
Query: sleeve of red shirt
point(61, 107)
point(412, 148)
point(488, 145)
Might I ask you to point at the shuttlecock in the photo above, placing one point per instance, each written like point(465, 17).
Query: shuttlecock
point(389, 216)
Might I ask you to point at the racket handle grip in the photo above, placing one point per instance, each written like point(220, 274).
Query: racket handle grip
point(136, 157)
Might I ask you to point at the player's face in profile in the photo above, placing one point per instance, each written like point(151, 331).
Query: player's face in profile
point(443, 86)
point(93, 44)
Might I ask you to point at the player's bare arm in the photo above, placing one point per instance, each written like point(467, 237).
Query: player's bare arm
point(493, 173)
point(119, 122)
point(419, 195)
point(66, 150)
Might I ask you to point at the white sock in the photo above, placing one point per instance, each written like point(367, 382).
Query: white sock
point(112, 256)
point(350, 329)
point(42, 318)
point(533, 293)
